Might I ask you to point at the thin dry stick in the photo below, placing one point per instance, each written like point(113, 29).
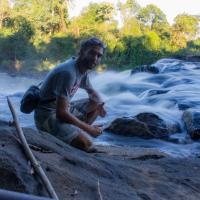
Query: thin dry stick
point(30, 155)
point(99, 191)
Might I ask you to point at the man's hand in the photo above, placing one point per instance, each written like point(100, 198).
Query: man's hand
point(94, 130)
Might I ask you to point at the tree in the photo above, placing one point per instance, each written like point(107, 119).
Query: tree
point(131, 27)
point(152, 18)
point(129, 9)
point(152, 41)
point(4, 12)
point(47, 16)
point(187, 25)
point(96, 18)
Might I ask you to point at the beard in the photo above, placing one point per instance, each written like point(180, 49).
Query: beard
point(88, 64)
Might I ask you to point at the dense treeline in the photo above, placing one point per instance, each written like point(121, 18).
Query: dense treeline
point(38, 34)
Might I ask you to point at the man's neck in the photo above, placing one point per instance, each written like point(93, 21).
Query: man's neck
point(80, 66)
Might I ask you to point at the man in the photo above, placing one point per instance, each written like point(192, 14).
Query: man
point(71, 121)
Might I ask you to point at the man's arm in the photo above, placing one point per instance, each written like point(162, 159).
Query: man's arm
point(63, 114)
point(94, 95)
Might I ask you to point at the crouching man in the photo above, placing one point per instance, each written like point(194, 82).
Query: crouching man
point(72, 121)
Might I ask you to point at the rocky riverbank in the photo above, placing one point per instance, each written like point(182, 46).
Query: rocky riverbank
point(123, 173)
point(25, 73)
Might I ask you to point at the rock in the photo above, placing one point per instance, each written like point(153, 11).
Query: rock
point(145, 125)
point(14, 169)
point(191, 119)
point(124, 173)
point(190, 58)
point(145, 68)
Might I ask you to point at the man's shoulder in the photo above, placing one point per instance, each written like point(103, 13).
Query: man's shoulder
point(66, 67)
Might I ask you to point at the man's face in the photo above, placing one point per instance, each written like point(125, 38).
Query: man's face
point(91, 57)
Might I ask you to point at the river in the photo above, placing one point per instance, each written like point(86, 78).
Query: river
point(128, 95)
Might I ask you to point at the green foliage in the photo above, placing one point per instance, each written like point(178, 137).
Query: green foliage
point(152, 41)
point(38, 35)
point(186, 24)
point(4, 11)
point(131, 27)
point(47, 16)
point(152, 17)
point(23, 27)
point(193, 48)
point(58, 47)
point(94, 20)
point(129, 9)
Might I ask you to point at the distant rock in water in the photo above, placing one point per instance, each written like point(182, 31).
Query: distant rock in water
point(145, 68)
point(168, 65)
point(191, 119)
point(190, 58)
point(145, 125)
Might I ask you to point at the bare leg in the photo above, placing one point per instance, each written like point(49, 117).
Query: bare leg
point(81, 141)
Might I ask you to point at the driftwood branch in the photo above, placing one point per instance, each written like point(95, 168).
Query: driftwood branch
point(99, 191)
point(37, 167)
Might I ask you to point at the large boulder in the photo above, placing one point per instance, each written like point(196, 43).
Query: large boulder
point(145, 125)
point(191, 119)
point(15, 171)
point(120, 173)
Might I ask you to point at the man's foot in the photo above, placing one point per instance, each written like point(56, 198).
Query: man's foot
point(92, 150)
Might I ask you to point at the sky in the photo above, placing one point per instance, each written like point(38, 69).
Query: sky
point(170, 7)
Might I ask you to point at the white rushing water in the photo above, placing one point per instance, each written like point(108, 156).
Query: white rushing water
point(127, 95)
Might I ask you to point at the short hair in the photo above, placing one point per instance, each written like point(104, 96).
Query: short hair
point(92, 42)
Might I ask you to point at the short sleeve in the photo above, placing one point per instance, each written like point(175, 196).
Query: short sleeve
point(62, 85)
point(85, 82)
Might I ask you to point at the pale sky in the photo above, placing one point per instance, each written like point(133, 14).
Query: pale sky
point(170, 7)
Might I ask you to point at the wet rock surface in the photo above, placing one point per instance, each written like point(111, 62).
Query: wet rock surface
point(191, 119)
point(123, 173)
point(14, 171)
point(144, 125)
point(145, 68)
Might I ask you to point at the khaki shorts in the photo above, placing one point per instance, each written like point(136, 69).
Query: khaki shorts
point(64, 131)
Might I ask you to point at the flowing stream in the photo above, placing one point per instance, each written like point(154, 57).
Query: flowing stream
point(175, 86)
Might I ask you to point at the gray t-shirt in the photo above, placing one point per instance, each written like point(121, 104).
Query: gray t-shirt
point(63, 80)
